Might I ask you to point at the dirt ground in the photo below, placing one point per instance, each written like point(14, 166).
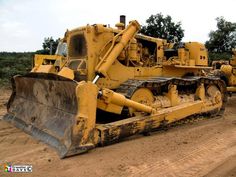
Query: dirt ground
point(205, 148)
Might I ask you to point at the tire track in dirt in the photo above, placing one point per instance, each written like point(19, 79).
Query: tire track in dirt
point(195, 163)
point(23, 154)
point(9, 131)
point(11, 135)
point(19, 139)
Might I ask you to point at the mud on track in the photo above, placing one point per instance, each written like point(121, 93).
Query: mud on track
point(205, 148)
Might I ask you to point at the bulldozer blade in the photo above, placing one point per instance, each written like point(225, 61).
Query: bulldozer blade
point(47, 106)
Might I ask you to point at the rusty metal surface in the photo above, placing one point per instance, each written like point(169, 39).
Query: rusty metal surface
point(114, 131)
point(45, 106)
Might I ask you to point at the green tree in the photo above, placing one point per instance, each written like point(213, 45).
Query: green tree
point(49, 43)
point(163, 27)
point(223, 39)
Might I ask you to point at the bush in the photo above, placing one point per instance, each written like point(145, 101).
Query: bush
point(213, 56)
point(13, 63)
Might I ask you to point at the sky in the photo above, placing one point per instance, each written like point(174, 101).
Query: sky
point(25, 23)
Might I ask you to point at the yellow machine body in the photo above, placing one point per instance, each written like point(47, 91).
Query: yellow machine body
point(228, 72)
point(48, 63)
point(113, 83)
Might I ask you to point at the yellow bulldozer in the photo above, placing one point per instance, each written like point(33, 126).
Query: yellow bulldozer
point(226, 70)
point(56, 62)
point(114, 83)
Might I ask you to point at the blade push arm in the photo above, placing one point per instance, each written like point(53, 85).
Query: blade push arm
point(114, 102)
point(125, 36)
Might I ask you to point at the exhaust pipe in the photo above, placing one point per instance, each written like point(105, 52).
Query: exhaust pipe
point(122, 20)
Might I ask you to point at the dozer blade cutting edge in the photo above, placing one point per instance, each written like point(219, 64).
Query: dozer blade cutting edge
point(56, 110)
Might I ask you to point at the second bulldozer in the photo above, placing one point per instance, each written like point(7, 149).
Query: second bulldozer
point(226, 70)
point(114, 83)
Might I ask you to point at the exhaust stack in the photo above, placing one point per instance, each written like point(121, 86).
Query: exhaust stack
point(122, 24)
point(123, 20)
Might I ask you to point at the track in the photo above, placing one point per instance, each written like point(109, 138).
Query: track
point(207, 147)
point(159, 85)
